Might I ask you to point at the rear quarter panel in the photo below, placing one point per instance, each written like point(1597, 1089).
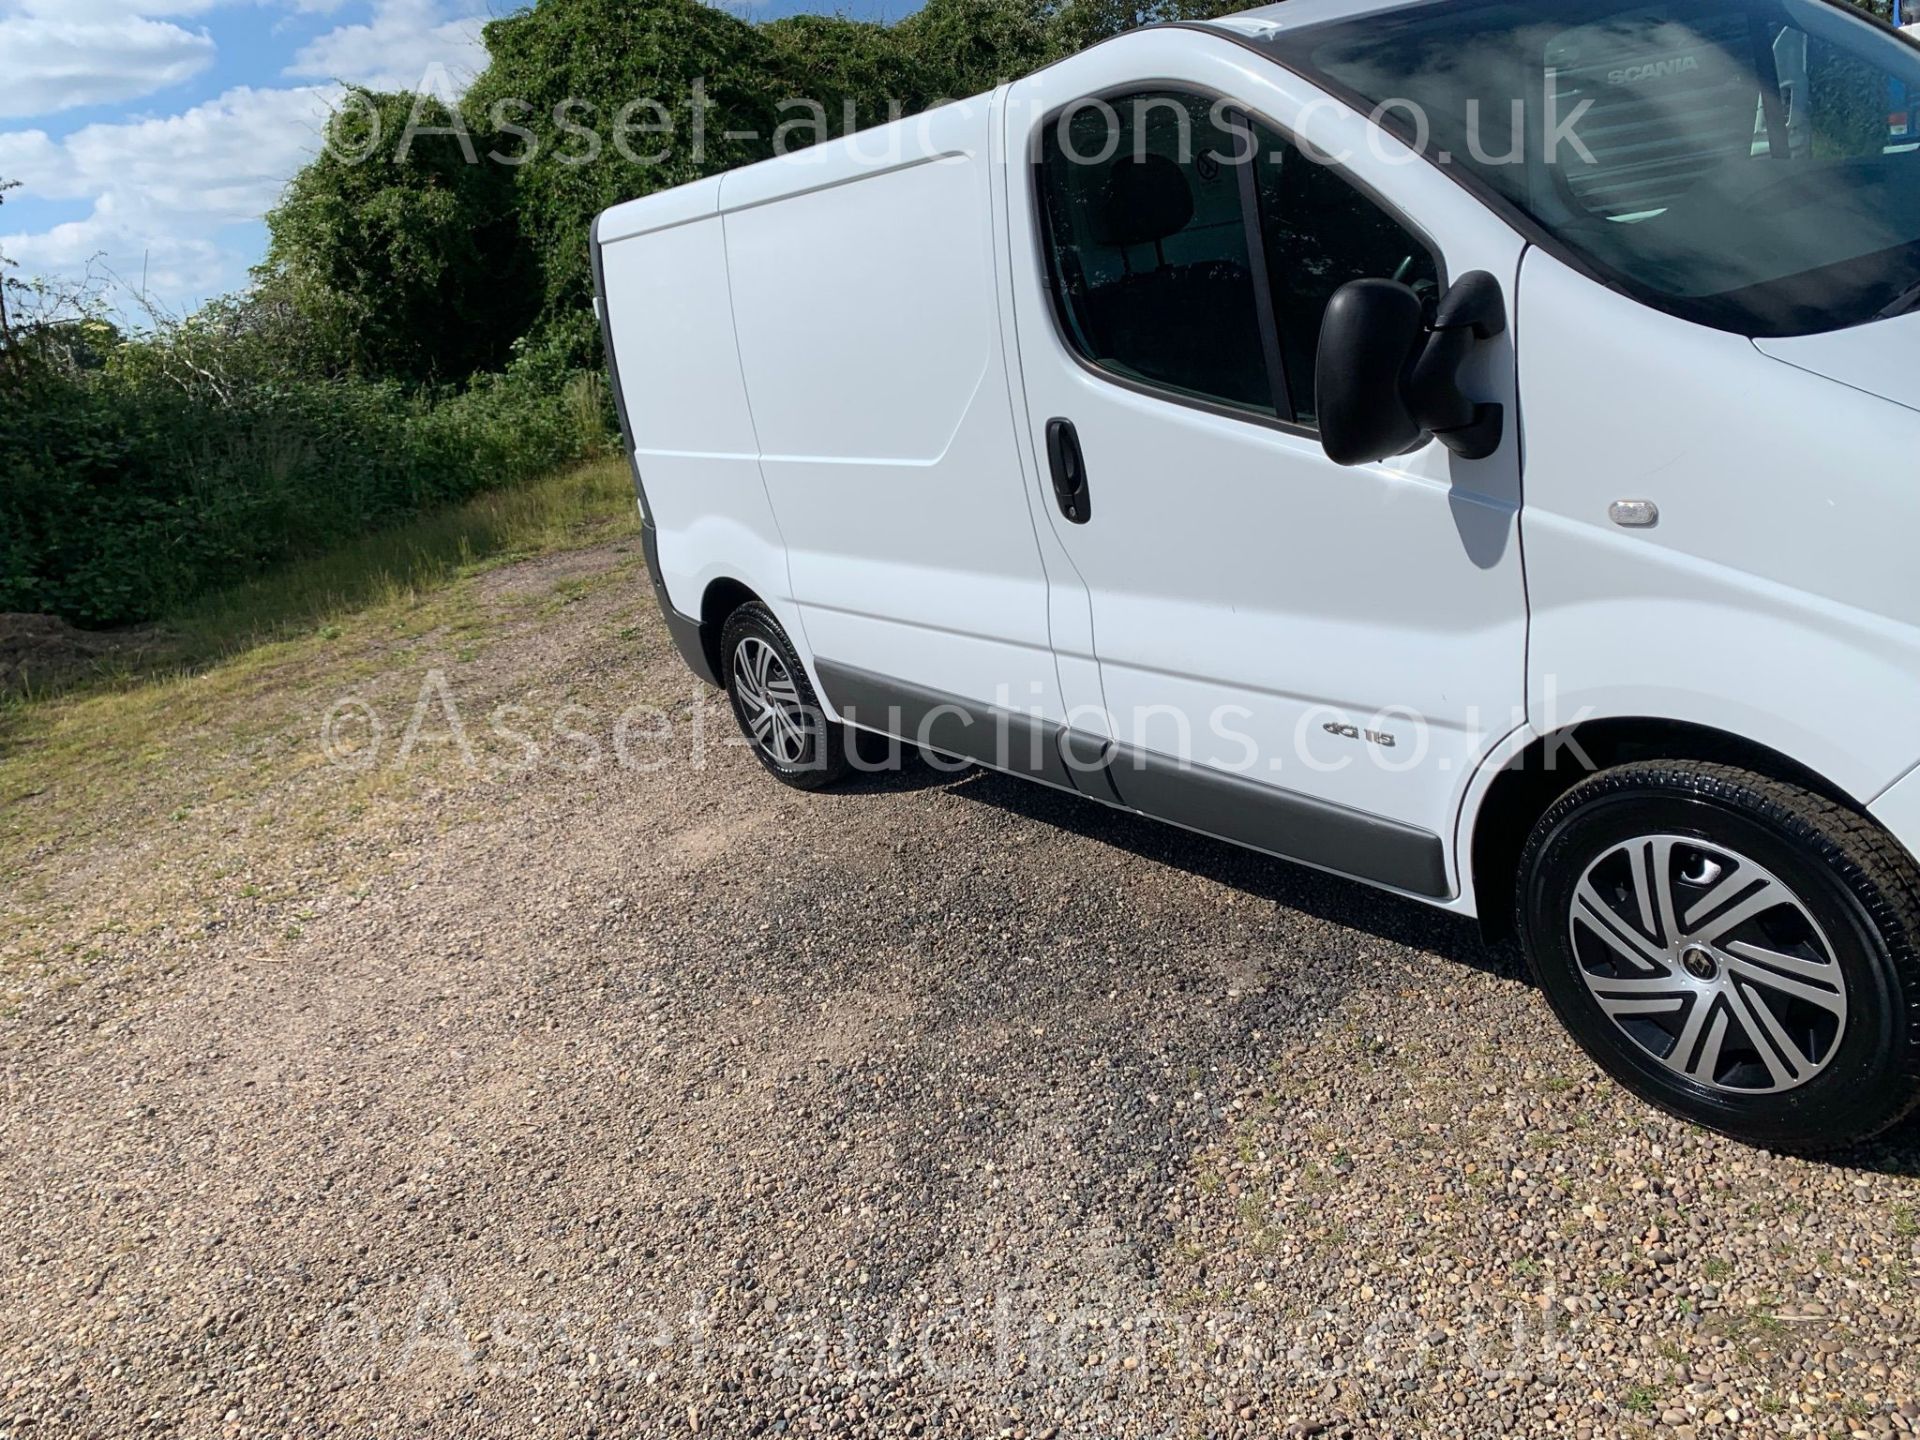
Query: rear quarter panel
point(670, 320)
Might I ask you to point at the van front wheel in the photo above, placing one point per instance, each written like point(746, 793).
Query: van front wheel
point(1740, 952)
point(782, 718)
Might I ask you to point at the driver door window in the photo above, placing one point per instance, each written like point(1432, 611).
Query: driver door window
point(1320, 233)
point(1148, 244)
point(1170, 271)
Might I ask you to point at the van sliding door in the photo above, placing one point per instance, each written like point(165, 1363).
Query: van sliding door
point(866, 303)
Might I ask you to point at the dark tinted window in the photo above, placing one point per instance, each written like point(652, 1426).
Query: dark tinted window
point(1319, 233)
point(1147, 238)
point(1148, 245)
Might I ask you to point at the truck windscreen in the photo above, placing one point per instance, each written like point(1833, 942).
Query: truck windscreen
point(1748, 164)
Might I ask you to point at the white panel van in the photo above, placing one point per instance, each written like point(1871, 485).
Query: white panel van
point(1471, 446)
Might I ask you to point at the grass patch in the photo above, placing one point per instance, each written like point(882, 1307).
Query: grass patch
point(182, 748)
point(1767, 1325)
point(403, 563)
point(1754, 1334)
point(251, 631)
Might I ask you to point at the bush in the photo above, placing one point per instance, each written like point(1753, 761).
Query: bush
point(124, 493)
point(138, 473)
point(400, 243)
point(605, 55)
point(422, 329)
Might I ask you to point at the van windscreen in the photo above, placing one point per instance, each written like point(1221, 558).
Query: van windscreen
point(1753, 165)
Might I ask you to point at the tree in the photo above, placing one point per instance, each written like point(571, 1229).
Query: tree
point(592, 102)
point(442, 256)
point(401, 242)
point(966, 47)
point(850, 69)
point(6, 327)
point(1076, 24)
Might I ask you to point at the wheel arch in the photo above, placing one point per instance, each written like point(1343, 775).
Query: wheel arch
point(1528, 784)
point(720, 599)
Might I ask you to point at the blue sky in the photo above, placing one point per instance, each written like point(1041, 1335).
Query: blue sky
point(152, 135)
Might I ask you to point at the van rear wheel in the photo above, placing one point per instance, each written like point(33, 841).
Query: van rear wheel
point(785, 724)
point(1741, 952)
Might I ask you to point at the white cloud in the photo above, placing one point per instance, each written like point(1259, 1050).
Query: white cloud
point(108, 10)
point(178, 198)
point(49, 64)
point(407, 45)
point(166, 192)
point(178, 271)
point(227, 159)
point(103, 10)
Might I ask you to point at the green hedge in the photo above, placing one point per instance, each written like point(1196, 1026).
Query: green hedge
point(121, 497)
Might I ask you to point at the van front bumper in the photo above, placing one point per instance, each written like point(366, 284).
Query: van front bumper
point(1899, 810)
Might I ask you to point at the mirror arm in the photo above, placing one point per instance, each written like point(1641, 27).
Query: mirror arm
point(1473, 302)
point(1472, 310)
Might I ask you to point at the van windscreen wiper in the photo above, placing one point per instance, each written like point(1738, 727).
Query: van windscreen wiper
point(1909, 299)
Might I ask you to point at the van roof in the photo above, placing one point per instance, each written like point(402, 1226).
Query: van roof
point(1269, 20)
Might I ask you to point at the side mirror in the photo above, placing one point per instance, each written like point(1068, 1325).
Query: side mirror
point(1367, 343)
point(1385, 378)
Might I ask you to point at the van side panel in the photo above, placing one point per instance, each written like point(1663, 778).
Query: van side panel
point(866, 301)
point(694, 447)
point(874, 349)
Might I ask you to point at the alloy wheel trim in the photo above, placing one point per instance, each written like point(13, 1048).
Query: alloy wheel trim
point(777, 720)
point(1668, 933)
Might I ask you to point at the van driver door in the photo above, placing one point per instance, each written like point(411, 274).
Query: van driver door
point(1307, 658)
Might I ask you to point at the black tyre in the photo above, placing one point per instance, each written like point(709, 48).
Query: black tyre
point(786, 726)
point(1738, 951)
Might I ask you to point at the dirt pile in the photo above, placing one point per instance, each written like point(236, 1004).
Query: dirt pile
point(38, 651)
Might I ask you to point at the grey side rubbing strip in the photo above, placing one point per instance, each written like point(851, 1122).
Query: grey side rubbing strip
point(1279, 822)
point(1087, 757)
point(1282, 822)
point(688, 634)
point(1003, 739)
point(689, 637)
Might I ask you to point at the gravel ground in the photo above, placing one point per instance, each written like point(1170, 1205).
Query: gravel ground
point(552, 1096)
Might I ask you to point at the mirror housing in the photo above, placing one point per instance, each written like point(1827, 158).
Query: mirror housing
point(1368, 339)
point(1386, 378)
